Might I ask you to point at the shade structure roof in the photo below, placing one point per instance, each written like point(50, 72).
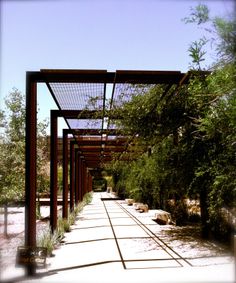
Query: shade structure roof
point(86, 97)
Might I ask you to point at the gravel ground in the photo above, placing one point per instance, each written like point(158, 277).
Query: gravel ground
point(15, 233)
point(186, 241)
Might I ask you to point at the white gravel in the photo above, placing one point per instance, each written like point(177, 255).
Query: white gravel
point(15, 233)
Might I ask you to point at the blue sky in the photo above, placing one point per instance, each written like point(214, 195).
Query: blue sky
point(95, 34)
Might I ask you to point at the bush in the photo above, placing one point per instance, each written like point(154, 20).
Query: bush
point(72, 218)
point(48, 240)
point(178, 211)
point(88, 198)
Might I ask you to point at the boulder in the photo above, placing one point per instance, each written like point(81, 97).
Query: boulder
point(141, 207)
point(163, 217)
point(129, 201)
point(137, 204)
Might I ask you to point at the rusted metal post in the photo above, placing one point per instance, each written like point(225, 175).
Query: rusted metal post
point(65, 175)
point(76, 176)
point(84, 178)
point(72, 175)
point(90, 182)
point(5, 220)
point(53, 168)
point(30, 165)
point(88, 185)
point(80, 179)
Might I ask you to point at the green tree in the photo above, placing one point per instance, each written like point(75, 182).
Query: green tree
point(217, 133)
point(43, 164)
point(12, 150)
point(220, 34)
point(215, 173)
point(191, 134)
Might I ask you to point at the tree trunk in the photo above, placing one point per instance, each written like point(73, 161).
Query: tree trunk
point(175, 138)
point(5, 220)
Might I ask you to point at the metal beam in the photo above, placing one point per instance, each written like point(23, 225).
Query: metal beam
point(120, 76)
point(78, 114)
point(78, 76)
point(80, 179)
point(148, 77)
point(118, 142)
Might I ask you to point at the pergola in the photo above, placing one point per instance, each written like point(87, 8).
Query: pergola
point(84, 101)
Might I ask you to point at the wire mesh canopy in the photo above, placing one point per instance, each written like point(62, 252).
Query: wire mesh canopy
point(87, 96)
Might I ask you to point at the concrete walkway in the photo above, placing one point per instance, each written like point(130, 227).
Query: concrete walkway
point(111, 242)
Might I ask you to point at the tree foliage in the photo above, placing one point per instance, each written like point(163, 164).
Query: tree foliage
point(12, 150)
point(219, 32)
point(191, 133)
